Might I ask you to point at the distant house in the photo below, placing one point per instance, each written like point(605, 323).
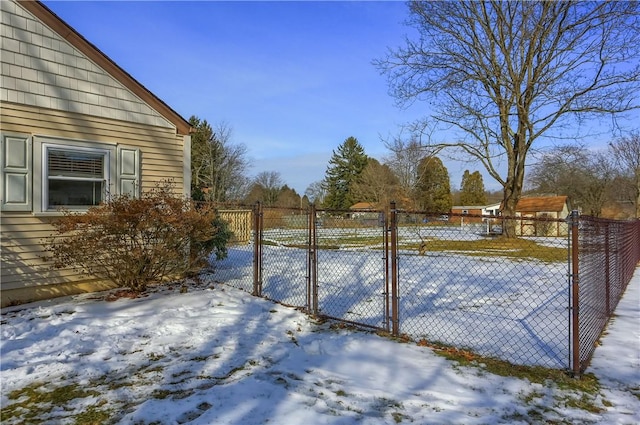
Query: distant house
point(362, 206)
point(466, 214)
point(542, 207)
point(75, 129)
point(363, 211)
point(476, 213)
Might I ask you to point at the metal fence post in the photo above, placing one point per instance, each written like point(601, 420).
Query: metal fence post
point(386, 272)
point(607, 269)
point(575, 293)
point(393, 224)
point(309, 256)
point(312, 263)
point(257, 249)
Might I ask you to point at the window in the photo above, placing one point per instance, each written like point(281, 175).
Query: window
point(56, 172)
point(74, 178)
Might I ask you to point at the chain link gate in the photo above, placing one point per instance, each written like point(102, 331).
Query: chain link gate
point(347, 268)
point(327, 268)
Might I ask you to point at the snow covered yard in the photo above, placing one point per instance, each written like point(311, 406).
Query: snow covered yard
point(216, 355)
point(513, 309)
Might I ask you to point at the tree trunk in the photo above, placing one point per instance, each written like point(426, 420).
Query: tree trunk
point(509, 202)
point(512, 192)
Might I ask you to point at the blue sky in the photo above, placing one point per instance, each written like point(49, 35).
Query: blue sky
point(293, 79)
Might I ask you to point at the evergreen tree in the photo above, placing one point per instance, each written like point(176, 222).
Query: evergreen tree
point(433, 189)
point(472, 189)
point(345, 166)
point(200, 138)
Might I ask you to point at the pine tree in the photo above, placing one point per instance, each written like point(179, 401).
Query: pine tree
point(345, 165)
point(200, 139)
point(472, 189)
point(433, 189)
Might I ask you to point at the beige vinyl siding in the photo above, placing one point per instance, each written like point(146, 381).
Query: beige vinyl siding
point(162, 149)
point(57, 85)
point(25, 276)
point(22, 254)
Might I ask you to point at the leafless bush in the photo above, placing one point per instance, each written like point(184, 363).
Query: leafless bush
point(134, 242)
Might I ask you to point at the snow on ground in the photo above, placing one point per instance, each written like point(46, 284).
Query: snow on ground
point(216, 355)
point(507, 308)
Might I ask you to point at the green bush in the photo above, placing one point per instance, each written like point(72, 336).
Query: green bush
point(137, 241)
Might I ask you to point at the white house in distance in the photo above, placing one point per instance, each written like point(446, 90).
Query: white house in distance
point(483, 216)
point(74, 127)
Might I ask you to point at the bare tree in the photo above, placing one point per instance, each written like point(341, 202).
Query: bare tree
point(600, 180)
point(503, 73)
point(376, 184)
point(268, 185)
point(217, 166)
point(403, 159)
point(585, 177)
point(626, 151)
point(316, 192)
point(230, 165)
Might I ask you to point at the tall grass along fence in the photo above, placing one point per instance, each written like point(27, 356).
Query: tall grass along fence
point(541, 298)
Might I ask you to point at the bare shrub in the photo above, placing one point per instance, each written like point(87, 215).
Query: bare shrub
point(135, 242)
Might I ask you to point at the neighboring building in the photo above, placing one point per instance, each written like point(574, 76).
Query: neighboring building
point(459, 214)
point(476, 213)
point(364, 211)
point(75, 127)
point(542, 207)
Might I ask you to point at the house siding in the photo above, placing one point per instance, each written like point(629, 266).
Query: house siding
point(542, 228)
point(461, 218)
point(162, 149)
point(49, 89)
point(25, 276)
point(23, 265)
point(42, 69)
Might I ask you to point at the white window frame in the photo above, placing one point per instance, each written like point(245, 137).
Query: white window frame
point(47, 147)
point(41, 191)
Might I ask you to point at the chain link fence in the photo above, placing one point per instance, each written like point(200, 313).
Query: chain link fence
point(462, 285)
point(606, 255)
point(542, 298)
